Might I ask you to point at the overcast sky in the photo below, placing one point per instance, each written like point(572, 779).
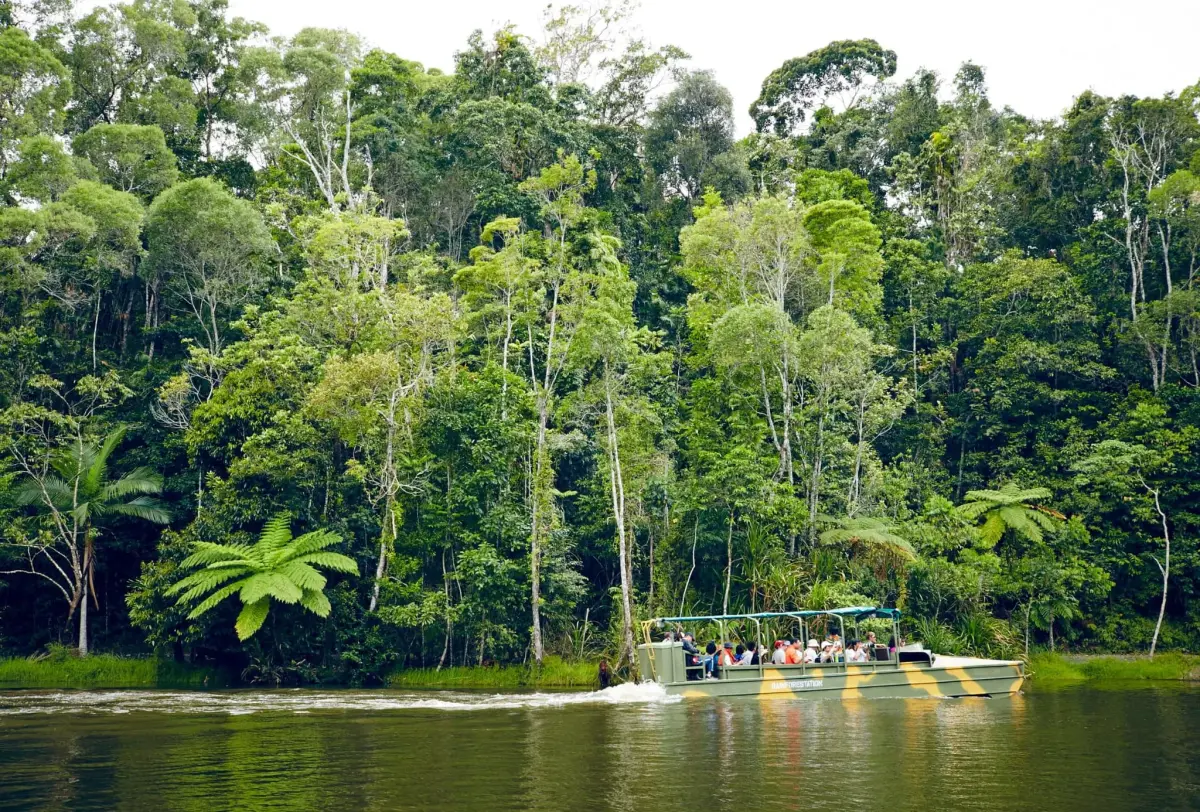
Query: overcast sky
point(1039, 54)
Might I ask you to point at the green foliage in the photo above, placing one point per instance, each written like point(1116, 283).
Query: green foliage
point(550, 350)
point(60, 669)
point(554, 673)
point(276, 568)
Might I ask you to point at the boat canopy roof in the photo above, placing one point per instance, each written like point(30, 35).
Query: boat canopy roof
point(855, 612)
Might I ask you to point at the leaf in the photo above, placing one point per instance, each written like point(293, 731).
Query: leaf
point(315, 602)
point(251, 618)
point(270, 584)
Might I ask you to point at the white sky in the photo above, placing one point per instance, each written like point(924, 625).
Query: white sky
point(1039, 54)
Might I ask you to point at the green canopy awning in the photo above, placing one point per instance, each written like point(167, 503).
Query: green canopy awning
point(855, 612)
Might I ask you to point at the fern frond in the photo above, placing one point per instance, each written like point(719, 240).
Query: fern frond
point(309, 543)
point(302, 575)
point(276, 533)
point(315, 602)
point(215, 598)
point(251, 618)
point(270, 584)
point(209, 552)
point(330, 561)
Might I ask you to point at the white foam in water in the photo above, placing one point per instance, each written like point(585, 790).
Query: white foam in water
point(236, 703)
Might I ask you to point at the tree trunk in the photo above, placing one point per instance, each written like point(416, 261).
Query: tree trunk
point(536, 522)
point(386, 537)
point(83, 618)
point(1165, 567)
point(728, 565)
point(617, 484)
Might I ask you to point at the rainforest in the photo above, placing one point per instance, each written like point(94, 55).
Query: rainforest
point(322, 366)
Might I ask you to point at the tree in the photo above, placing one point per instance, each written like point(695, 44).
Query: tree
point(73, 489)
point(34, 90)
point(206, 251)
point(1119, 467)
point(872, 539)
point(1011, 508)
point(687, 130)
point(802, 83)
point(276, 567)
point(129, 157)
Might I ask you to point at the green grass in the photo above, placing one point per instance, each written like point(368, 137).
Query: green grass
point(1047, 667)
point(555, 673)
point(105, 671)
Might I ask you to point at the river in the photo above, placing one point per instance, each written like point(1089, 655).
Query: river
point(628, 748)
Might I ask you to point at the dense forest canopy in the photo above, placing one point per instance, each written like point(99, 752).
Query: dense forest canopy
point(318, 360)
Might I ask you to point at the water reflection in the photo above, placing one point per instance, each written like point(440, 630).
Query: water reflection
point(358, 750)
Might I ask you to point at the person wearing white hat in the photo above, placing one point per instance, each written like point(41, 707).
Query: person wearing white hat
point(826, 652)
point(811, 652)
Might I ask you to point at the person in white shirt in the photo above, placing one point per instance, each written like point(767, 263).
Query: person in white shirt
point(811, 652)
point(855, 653)
point(779, 656)
point(826, 652)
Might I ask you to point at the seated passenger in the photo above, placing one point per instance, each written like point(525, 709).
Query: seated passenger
point(710, 662)
point(691, 658)
point(826, 652)
point(794, 655)
point(739, 655)
point(724, 658)
point(753, 652)
point(812, 652)
point(779, 656)
point(855, 653)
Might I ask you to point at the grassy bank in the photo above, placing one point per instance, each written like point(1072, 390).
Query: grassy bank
point(554, 673)
point(1047, 667)
point(105, 671)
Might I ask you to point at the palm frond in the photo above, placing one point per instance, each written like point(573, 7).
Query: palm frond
point(139, 480)
point(29, 492)
point(144, 507)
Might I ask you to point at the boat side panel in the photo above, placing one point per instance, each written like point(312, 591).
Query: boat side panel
point(906, 681)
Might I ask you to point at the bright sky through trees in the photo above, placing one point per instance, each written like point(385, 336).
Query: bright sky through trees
point(1038, 54)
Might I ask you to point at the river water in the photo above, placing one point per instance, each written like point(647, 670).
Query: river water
point(629, 748)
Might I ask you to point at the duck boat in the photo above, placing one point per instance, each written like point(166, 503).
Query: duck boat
point(908, 671)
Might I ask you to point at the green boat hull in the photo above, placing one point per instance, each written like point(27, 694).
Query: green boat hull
point(945, 677)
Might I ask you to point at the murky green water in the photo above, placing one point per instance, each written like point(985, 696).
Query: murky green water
point(1071, 749)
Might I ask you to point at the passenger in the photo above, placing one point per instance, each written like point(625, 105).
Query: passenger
point(691, 658)
point(812, 652)
point(779, 656)
point(710, 662)
point(872, 647)
point(855, 653)
point(794, 653)
point(753, 652)
point(826, 652)
point(739, 655)
point(724, 658)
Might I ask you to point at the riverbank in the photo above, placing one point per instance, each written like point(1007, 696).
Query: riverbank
point(1054, 667)
point(105, 671)
point(554, 673)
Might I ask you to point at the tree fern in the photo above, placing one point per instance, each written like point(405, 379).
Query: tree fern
point(1010, 508)
point(275, 568)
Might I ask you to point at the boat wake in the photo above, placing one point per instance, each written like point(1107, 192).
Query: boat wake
point(303, 701)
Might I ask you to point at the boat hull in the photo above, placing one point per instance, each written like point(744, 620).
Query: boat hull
point(963, 677)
